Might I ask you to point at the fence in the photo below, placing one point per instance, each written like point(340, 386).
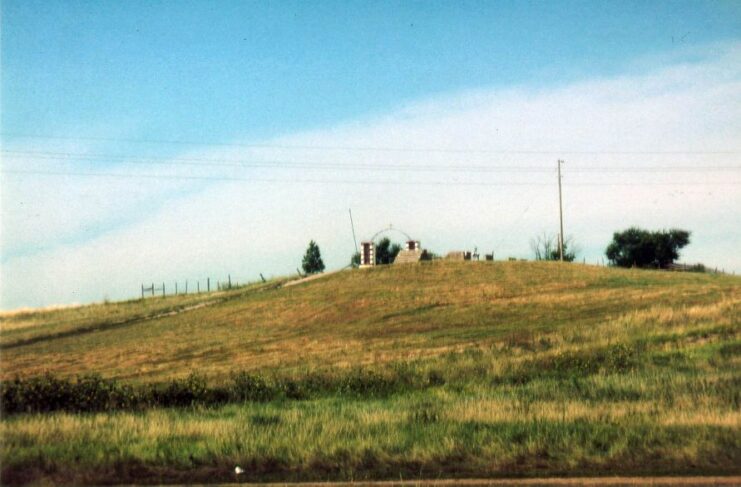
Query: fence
point(679, 267)
point(177, 289)
point(153, 289)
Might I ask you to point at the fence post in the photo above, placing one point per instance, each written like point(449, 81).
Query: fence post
point(186, 286)
point(176, 288)
point(230, 280)
point(208, 284)
point(263, 279)
point(152, 289)
point(198, 286)
point(142, 291)
point(163, 289)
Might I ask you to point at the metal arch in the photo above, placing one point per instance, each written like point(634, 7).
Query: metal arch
point(390, 228)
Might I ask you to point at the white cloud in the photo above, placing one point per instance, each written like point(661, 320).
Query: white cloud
point(155, 230)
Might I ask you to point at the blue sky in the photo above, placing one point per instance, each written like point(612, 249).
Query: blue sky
point(100, 82)
point(213, 71)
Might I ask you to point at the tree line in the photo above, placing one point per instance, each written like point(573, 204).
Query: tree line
point(633, 247)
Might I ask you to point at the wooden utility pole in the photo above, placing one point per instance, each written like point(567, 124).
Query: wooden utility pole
point(560, 213)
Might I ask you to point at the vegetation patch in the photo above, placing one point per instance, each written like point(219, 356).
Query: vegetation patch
point(528, 369)
point(425, 413)
point(92, 393)
point(618, 358)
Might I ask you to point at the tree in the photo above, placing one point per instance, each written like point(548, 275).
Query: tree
point(386, 251)
point(312, 262)
point(545, 247)
point(355, 260)
point(641, 248)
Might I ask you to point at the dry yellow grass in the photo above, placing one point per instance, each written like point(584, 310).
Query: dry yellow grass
point(412, 312)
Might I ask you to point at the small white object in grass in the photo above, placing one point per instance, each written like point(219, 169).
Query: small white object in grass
point(238, 470)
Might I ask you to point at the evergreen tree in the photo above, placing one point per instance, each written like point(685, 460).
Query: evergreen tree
point(312, 262)
point(386, 251)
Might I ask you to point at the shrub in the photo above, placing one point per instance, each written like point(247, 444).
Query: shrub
point(93, 393)
point(181, 392)
point(46, 393)
point(252, 387)
point(362, 383)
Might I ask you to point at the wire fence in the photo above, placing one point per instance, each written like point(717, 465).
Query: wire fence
point(194, 286)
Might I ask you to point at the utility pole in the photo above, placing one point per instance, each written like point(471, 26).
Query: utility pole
point(560, 213)
point(352, 225)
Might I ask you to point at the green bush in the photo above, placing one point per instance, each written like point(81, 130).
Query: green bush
point(46, 393)
point(181, 392)
point(252, 387)
point(92, 393)
point(362, 383)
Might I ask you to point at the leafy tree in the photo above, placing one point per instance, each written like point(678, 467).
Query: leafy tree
point(545, 247)
point(386, 251)
point(641, 248)
point(355, 260)
point(312, 262)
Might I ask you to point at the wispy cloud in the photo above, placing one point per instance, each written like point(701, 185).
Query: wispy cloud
point(79, 238)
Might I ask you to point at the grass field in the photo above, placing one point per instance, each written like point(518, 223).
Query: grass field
point(528, 369)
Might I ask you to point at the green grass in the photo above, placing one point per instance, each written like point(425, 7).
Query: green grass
point(529, 369)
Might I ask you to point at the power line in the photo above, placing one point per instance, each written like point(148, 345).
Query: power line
point(371, 148)
point(207, 162)
point(355, 182)
point(261, 180)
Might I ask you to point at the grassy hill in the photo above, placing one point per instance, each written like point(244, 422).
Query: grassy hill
point(504, 368)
